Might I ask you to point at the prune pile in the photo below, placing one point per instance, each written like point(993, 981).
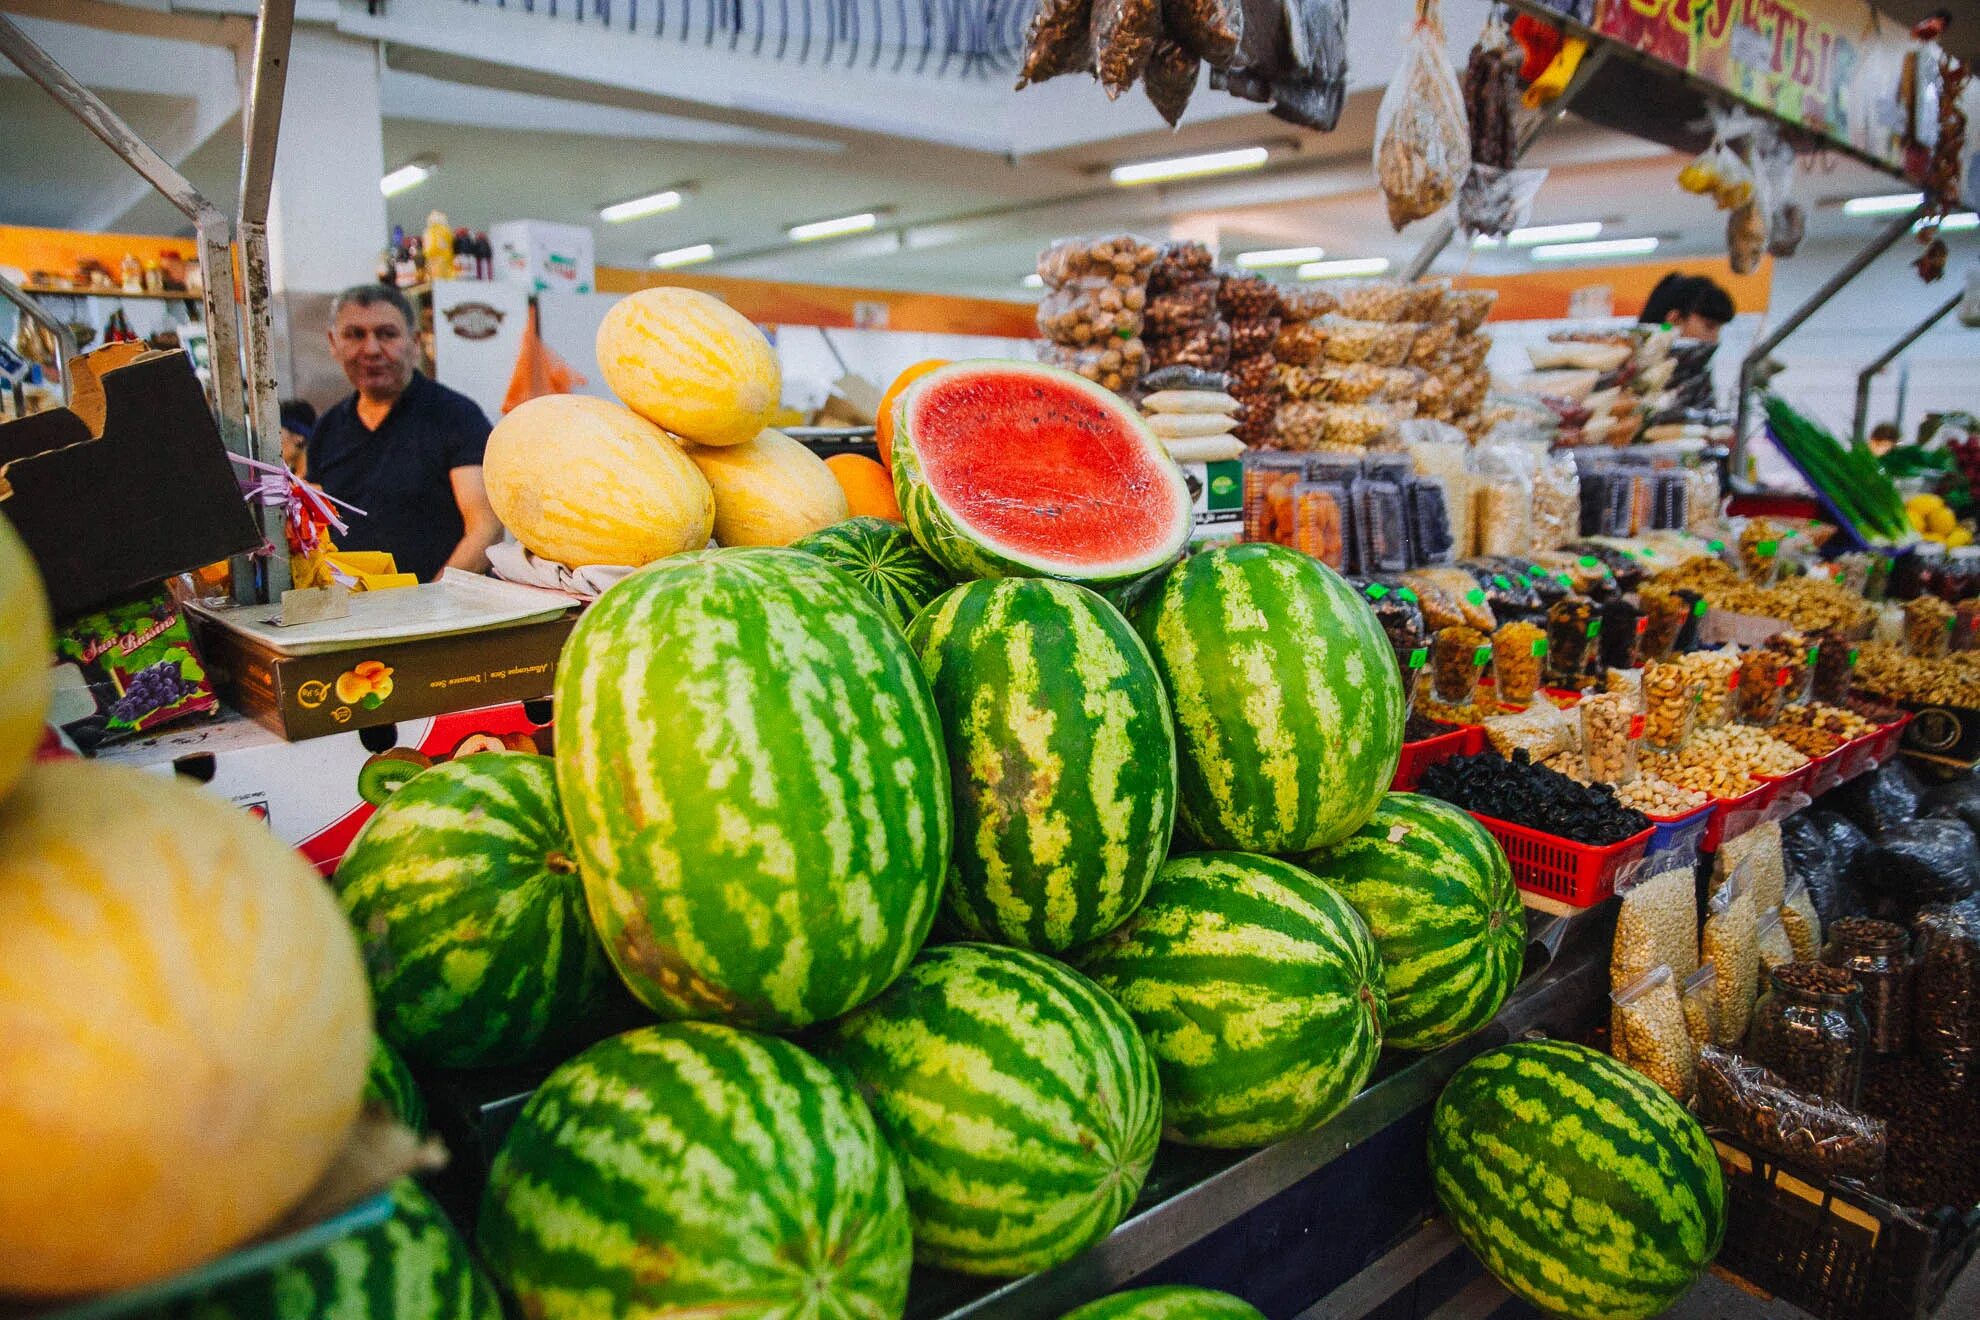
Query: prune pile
point(153, 688)
point(1534, 796)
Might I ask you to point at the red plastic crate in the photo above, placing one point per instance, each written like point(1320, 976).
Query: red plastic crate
point(1779, 786)
point(1420, 756)
point(1560, 870)
point(1825, 772)
point(1724, 808)
point(1884, 742)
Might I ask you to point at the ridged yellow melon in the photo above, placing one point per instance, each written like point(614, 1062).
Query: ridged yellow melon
point(690, 364)
point(184, 1028)
point(583, 481)
point(27, 648)
point(770, 491)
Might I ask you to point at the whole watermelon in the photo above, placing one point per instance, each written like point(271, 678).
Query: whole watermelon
point(464, 893)
point(1438, 895)
point(694, 1169)
point(411, 1267)
point(883, 558)
point(1582, 1186)
point(1288, 709)
point(1061, 759)
point(1170, 1302)
point(1258, 989)
point(389, 1084)
point(754, 780)
point(1021, 1102)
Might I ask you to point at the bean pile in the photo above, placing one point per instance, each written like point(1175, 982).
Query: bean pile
point(1518, 791)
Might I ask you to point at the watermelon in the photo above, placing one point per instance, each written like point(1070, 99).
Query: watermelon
point(1438, 894)
point(1019, 1099)
point(413, 1266)
point(1167, 1302)
point(754, 780)
point(1015, 469)
point(465, 895)
point(1583, 1187)
point(884, 559)
point(1289, 713)
point(695, 1169)
point(1257, 987)
point(389, 1084)
point(1061, 759)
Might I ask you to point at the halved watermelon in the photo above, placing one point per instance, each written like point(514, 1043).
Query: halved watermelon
point(1014, 469)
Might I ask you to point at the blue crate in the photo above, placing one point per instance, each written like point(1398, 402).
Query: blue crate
point(1679, 831)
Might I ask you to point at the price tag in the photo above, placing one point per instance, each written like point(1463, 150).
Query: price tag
point(1481, 657)
point(1781, 677)
point(1767, 549)
point(1565, 579)
point(1852, 657)
point(1594, 629)
point(1642, 624)
point(1418, 656)
point(1813, 652)
point(1539, 647)
point(1589, 561)
point(1648, 553)
point(1635, 727)
point(1500, 581)
point(1791, 534)
point(1405, 593)
point(1732, 681)
point(1474, 597)
point(1698, 610)
point(1716, 547)
point(1376, 591)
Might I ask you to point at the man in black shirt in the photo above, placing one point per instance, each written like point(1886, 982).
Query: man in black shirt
point(404, 448)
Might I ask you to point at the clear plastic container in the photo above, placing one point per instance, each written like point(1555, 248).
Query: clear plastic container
point(1458, 657)
point(1809, 1028)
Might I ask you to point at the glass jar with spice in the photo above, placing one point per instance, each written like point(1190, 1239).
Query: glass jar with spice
point(1809, 1028)
point(1878, 955)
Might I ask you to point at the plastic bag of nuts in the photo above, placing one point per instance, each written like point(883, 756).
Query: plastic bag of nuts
point(1821, 1137)
point(1248, 298)
point(1300, 342)
point(1458, 657)
point(1657, 918)
point(1648, 1032)
point(1115, 366)
point(1699, 996)
point(1253, 337)
point(1801, 922)
point(1731, 944)
point(1175, 264)
point(1381, 343)
point(1433, 340)
point(1606, 718)
point(1374, 300)
point(1928, 627)
point(1467, 308)
point(1181, 309)
point(1091, 310)
point(1120, 258)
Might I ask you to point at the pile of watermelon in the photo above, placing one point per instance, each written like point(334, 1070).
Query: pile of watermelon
point(1190, 908)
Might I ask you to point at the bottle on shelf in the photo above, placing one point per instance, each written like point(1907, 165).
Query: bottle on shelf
point(403, 274)
point(439, 244)
point(464, 263)
point(388, 272)
point(484, 256)
point(416, 260)
point(132, 274)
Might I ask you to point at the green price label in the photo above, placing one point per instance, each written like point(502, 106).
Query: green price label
point(1418, 656)
point(1405, 593)
point(1565, 579)
point(1852, 657)
point(1481, 657)
point(1814, 651)
point(1791, 534)
point(1499, 581)
point(1376, 591)
point(1589, 561)
point(1767, 549)
point(1594, 629)
point(1648, 553)
point(1539, 647)
point(1716, 547)
point(1698, 610)
point(1474, 597)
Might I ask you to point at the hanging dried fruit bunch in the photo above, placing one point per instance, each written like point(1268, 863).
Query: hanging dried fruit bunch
point(1942, 176)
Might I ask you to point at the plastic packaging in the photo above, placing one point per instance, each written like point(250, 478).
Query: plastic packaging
point(1169, 78)
point(1379, 343)
point(1730, 943)
point(1124, 34)
point(1467, 309)
point(1608, 751)
point(1657, 919)
point(1922, 861)
point(1057, 41)
point(1401, 616)
point(1946, 989)
point(1648, 1032)
point(1809, 1029)
point(1878, 955)
point(1670, 706)
point(1823, 1138)
point(1208, 29)
point(1518, 652)
point(1431, 538)
point(1322, 522)
point(1179, 263)
point(1699, 995)
point(1207, 346)
point(1462, 592)
point(1458, 657)
point(1122, 258)
point(1756, 854)
point(1494, 201)
point(1573, 633)
point(1802, 924)
point(1115, 366)
point(1422, 141)
point(1771, 939)
point(1091, 309)
point(1381, 526)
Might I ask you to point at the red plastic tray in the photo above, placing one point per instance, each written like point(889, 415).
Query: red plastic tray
point(1420, 756)
point(1723, 808)
point(1884, 742)
point(1825, 772)
point(1561, 870)
point(1779, 786)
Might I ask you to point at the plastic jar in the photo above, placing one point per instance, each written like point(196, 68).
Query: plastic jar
point(1809, 1027)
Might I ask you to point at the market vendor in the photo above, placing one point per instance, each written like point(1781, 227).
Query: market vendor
point(1697, 306)
point(403, 447)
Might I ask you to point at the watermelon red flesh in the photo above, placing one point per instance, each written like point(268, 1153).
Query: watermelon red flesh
point(1045, 473)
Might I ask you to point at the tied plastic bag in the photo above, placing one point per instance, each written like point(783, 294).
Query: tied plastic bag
point(1821, 849)
point(1922, 861)
point(1878, 801)
point(1124, 34)
point(1311, 88)
point(1207, 29)
point(1494, 201)
point(1170, 78)
point(1058, 41)
point(1422, 143)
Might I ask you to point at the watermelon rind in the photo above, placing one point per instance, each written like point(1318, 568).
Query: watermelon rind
point(1062, 760)
point(755, 784)
point(1437, 893)
point(389, 1084)
point(464, 893)
point(1167, 1302)
point(1289, 712)
point(412, 1266)
point(969, 552)
point(1258, 990)
point(1019, 1098)
point(882, 557)
point(694, 1169)
point(1582, 1186)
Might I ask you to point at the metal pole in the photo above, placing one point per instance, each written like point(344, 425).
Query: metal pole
point(65, 342)
point(1445, 229)
point(1835, 284)
point(1889, 355)
point(260, 132)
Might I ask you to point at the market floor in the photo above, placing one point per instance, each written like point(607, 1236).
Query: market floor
point(1714, 1299)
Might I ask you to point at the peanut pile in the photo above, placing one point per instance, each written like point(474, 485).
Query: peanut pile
point(1722, 761)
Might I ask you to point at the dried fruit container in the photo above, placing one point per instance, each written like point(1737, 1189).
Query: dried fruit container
point(1465, 740)
point(1558, 874)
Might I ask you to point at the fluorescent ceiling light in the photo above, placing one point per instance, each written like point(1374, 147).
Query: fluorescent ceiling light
point(1954, 223)
point(1533, 235)
point(409, 175)
point(1608, 247)
point(1265, 258)
point(683, 256)
point(1329, 270)
point(651, 204)
point(1886, 204)
point(1033, 281)
point(833, 228)
point(1189, 167)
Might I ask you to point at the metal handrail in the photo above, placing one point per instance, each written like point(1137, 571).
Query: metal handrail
point(1889, 355)
point(65, 339)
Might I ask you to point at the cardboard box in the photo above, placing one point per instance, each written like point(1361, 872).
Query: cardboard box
point(129, 484)
point(309, 696)
point(1217, 495)
point(543, 255)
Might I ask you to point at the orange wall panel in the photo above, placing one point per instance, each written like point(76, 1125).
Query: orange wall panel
point(775, 302)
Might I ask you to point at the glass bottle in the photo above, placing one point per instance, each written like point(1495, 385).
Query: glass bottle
point(1878, 955)
point(1809, 1027)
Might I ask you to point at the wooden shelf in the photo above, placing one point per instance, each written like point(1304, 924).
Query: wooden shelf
point(45, 291)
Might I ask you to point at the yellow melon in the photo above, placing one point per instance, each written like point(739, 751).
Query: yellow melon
point(184, 1028)
point(27, 648)
point(770, 491)
point(690, 364)
point(583, 481)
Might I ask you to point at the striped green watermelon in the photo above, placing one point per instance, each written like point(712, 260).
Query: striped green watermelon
point(1257, 987)
point(411, 1267)
point(883, 558)
point(754, 779)
point(1582, 1186)
point(466, 899)
point(692, 1169)
point(1061, 759)
point(389, 1084)
point(1169, 1302)
point(1016, 469)
point(1438, 894)
point(1018, 1097)
point(1289, 713)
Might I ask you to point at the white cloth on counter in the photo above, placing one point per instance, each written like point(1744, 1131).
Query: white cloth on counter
point(509, 561)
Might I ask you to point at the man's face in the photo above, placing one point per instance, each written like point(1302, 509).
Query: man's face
point(1693, 326)
point(375, 348)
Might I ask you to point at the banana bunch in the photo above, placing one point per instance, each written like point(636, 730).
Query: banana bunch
point(1936, 522)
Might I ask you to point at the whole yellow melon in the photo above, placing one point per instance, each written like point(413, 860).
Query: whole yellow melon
point(770, 491)
point(690, 364)
point(27, 648)
point(184, 1028)
point(583, 481)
